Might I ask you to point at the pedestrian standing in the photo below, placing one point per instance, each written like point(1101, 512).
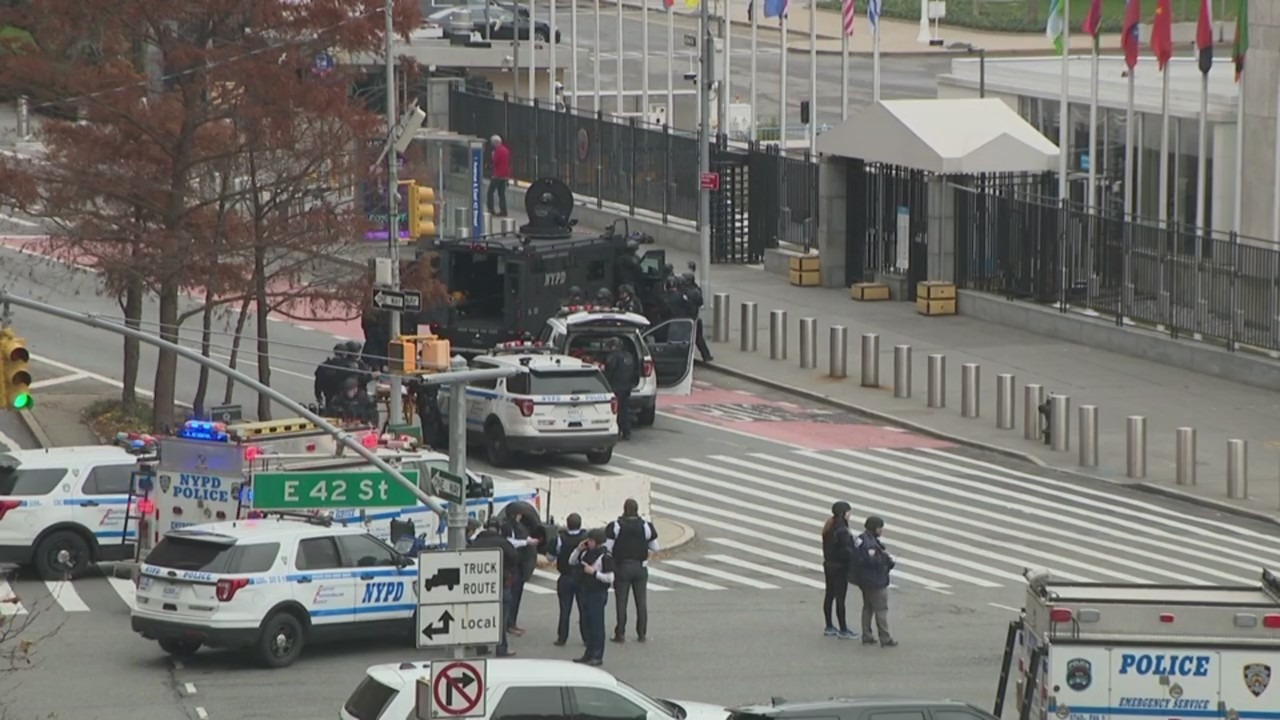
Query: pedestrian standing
point(837, 562)
point(620, 372)
point(593, 560)
point(499, 176)
point(631, 538)
point(492, 537)
point(694, 302)
point(526, 546)
point(568, 591)
point(872, 565)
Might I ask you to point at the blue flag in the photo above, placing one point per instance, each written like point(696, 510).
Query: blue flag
point(774, 8)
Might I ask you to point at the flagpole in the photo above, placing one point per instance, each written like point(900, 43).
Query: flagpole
point(726, 96)
point(533, 53)
point(595, 63)
point(622, 44)
point(1064, 113)
point(671, 70)
point(1093, 127)
point(813, 75)
point(1162, 203)
point(1238, 209)
point(844, 75)
point(551, 59)
point(782, 81)
point(755, 32)
point(573, 52)
point(875, 62)
point(1129, 192)
point(644, 61)
point(1202, 152)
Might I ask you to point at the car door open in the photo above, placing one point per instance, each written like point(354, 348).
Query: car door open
point(671, 346)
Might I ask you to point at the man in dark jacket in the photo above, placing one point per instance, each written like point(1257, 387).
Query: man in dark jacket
point(330, 374)
point(872, 566)
point(492, 537)
point(517, 532)
point(354, 403)
point(630, 539)
point(595, 564)
point(620, 372)
point(627, 300)
point(567, 588)
point(694, 302)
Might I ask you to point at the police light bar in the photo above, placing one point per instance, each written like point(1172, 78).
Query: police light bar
point(571, 309)
point(521, 345)
point(204, 430)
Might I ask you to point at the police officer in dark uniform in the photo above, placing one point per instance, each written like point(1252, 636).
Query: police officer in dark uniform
point(567, 588)
point(693, 304)
point(359, 363)
point(604, 297)
point(519, 534)
point(492, 537)
point(627, 268)
point(353, 403)
point(627, 300)
point(620, 372)
point(329, 376)
point(427, 400)
point(594, 565)
point(631, 538)
point(576, 296)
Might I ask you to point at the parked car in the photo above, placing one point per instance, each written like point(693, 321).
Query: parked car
point(503, 22)
point(868, 708)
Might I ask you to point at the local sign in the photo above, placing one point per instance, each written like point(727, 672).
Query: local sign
point(456, 689)
point(405, 300)
point(331, 489)
point(460, 598)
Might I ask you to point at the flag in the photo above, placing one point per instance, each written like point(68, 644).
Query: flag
point(1204, 36)
point(1162, 33)
point(1093, 20)
point(668, 3)
point(775, 8)
point(873, 14)
point(1130, 37)
point(1241, 45)
point(691, 4)
point(1055, 28)
point(847, 10)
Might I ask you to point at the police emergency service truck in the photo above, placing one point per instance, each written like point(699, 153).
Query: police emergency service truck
point(1092, 651)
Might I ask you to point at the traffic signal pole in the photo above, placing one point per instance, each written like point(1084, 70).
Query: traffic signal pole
point(395, 401)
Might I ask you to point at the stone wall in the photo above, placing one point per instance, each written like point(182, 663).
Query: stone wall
point(1261, 80)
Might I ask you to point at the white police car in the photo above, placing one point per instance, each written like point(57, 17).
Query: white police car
point(272, 586)
point(62, 509)
point(663, 353)
point(557, 404)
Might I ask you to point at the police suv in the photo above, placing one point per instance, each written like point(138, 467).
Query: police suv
point(556, 404)
point(272, 586)
point(62, 509)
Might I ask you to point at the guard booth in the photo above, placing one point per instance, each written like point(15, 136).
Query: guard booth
point(909, 189)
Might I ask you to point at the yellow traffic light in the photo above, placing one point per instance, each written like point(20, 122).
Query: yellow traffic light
point(15, 374)
point(422, 211)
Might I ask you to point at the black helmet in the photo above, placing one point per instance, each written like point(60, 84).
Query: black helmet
point(575, 291)
point(340, 349)
point(840, 507)
point(493, 523)
point(688, 278)
point(873, 523)
point(625, 289)
point(669, 269)
point(354, 347)
point(604, 294)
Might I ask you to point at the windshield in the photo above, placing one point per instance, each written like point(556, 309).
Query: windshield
point(667, 707)
point(369, 700)
point(197, 555)
point(577, 382)
point(15, 480)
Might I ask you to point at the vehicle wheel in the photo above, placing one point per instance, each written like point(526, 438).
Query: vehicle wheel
point(180, 648)
point(281, 640)
point(541, 35)
point(600, 457)
point(647, 416)
point(62, 556)
point(495, 446)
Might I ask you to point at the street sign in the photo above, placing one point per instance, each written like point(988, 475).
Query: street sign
point(458, 689)
point(459, 624)
point(447, 485)
point(459, 598)
point(402, 300)
point(331, 489)
point(690, 40)
point(709, 181)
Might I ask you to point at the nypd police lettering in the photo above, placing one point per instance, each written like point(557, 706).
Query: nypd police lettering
point(201, 487)
point(1161, 665)
point(383, 592)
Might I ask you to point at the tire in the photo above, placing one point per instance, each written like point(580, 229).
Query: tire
point(62, 555)
point(495, 446)
point(648, 415)
point(281, 640)
point(600, 457)
point(541, 36)
point(180, 648)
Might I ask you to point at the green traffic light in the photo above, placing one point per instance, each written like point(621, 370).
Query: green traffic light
point(21, 401)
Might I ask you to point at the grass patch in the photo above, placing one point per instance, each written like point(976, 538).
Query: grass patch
point(109, 416)
point(1031, 15)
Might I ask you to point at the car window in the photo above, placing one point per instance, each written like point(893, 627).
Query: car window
point(518, 384)
point(369, 700)
point(577, 382)
point(898, 715)
point(318, 554)
point(17, 481)
point(256, 558)
point(179, 553)
point(530, 703)
point(364, 551)
point(602, 704)
point(109, 480)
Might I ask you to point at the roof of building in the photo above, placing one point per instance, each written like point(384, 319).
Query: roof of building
point(942, 136)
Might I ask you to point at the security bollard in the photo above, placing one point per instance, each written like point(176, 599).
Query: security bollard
point(720, 317)
point(1060, 422)
point(1137, 447)
point(1033, 398)
point(777, 334)
point(902, 371)
point(838, 346)
point(1237, 469)
point(1005, 384)
point(1088, 436)
point(970, 379)
point(808, 343)
point(749, 328)
point(1185, 462)
point(24, 117)
point(937, 381)
point(870, 360)
point(506, 225)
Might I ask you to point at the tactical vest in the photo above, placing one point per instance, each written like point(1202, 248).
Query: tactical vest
point(631, 544)
point(589, 557)
point(568, 543)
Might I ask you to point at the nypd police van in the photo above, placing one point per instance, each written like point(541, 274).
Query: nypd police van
point(1090, 651)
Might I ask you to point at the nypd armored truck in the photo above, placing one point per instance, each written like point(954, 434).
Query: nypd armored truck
point(1092, 651)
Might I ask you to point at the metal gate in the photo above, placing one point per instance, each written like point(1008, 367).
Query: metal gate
point(888, 221)
point(731, 238)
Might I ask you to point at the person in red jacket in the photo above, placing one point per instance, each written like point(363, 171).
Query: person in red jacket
point(499, 176)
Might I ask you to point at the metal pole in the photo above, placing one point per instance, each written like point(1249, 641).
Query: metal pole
point(970, 380)
point(533, 56)
point(937, 381)
point(749, 327)
point(24, 117)
point(1136, 446)
point(395, 402)
point(1060, 422)
point(1088, 436)
point(870, 360)
point(1186, 456)
point(573, 54)
point(777, 334)
point(706, 75)
point(839, 351)
point(1005, 384)
point(720, 313)
point(458, 455)
point(1033, 398)
point(808, 343)
point(1237, 469)
point(902, 371)
point(622, 46)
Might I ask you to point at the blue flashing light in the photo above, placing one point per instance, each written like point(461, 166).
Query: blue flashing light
point(204, 430)
point(246, 494)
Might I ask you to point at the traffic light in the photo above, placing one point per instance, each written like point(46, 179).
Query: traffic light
point(422, 211)
point(15, 375)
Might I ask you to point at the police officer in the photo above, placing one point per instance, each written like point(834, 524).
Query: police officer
point(631, 538)
point(604, 297)
point(359, 362)
point(567, 588)
point(693, 304)
point(493, 537)
point(594, 565)
point(329, 376)
point(872, 565)
point(427, 400)
point(627, 267)
point(627, 300)
point(620, 371)
point(517, 533)
point(353, 403)
point(576, 296)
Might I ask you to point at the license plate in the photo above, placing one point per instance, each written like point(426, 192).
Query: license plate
point(575, 415)
point(172, 591)
point(144, 583)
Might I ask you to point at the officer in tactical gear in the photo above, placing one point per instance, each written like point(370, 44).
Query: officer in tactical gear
point(354, 403)
point(360, 365)
point(576, 296)
point(627, 268)
point(620, 371)
point(427, 400)
point(604, 297)
point(694, 302)
point(631, 538)
point(493, 537)
point(594, 565)
point(329, 375)
point(627, 300)
point(567, 588)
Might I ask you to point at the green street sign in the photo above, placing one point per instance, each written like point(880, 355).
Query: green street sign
point(323, 489)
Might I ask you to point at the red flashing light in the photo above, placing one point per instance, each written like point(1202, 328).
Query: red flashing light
point(646, 368)
point(311, 447)
point(370, 440)
point(7, 505)
point(1271, 622)
point(525, 405)
point(1060, 615)
point(613, 404)
point(228, 588)
point(252, 452)
point(146, 507)
point(1166, 618)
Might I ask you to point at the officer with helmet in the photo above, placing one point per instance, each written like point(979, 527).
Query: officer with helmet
point(604, 297)
point(576, 296)
point(330, 374)
point(693, 304)
point(627, 300)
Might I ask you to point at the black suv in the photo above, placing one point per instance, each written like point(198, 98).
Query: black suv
point(870, 708)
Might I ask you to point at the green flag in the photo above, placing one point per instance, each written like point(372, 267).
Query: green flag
point(1241, 45)
point(1056, 27)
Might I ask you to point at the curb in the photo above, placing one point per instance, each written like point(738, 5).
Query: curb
point(35, 428)
point(685, 539)
point(829, 401)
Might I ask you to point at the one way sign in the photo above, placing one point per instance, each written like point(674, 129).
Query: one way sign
point(401, 300)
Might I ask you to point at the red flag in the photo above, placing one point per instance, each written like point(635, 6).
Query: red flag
point(1129, 38)
point(1093, 20)
point(1204, 36)
point(668, 3)
point(1162, 33)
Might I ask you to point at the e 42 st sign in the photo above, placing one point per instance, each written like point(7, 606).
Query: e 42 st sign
point(331, 489)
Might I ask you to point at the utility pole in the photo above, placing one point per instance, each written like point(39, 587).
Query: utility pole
point(395, 402)
point(706, 75)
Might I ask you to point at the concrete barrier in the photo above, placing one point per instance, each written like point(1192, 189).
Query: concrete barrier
point(597, 499)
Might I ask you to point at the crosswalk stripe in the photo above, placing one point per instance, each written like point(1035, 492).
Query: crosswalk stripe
point(715, 573)
point(64, 593)
point(124, 588)
point(548, 575)
point(656, 572)
point(10, 603)
point(730, 560)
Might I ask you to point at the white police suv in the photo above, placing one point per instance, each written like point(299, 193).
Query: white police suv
point(271, 586)
point(62, 509)
point(556, 404)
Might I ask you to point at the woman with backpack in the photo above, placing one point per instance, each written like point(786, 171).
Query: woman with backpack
point(837, 562)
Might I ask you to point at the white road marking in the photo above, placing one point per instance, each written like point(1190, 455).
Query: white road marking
point(190, 688)
point(8, 442)
point(18, 221)
point(9, 601)
point(124, 588)
point(202, 714)
point(1005, 607)
point(728, 560)
point(58, 380)
point(673, 577)
point(713, 572)
point(66, 596)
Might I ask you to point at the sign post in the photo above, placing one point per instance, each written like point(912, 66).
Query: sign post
point(331, 489)
point(477, 180)
point(459, 599)
point(456, 689)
